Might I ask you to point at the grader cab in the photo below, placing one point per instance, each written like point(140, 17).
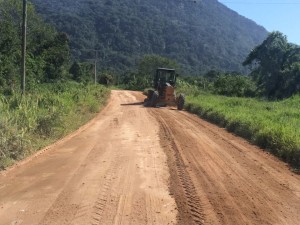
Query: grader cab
point(164, 94)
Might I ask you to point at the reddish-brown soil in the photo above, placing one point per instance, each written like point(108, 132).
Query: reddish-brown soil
point(136, 165)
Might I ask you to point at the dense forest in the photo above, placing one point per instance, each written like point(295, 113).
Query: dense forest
point(200, 35)
point(48, 50)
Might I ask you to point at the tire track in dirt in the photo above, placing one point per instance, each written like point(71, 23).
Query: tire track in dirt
point(124, 200)
point(131, 164)
point(112, 172)
point(104, 196)
point(236, 182)
point(181, 185)
point(73, 204)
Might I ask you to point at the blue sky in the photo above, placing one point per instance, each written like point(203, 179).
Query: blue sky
point(274, 15)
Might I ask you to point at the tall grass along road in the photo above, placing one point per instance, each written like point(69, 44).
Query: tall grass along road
point(137, 165)
point(271, 125)
point(44, 115)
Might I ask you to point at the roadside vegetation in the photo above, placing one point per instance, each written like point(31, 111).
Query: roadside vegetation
point(60, 95)
point(263, 107)
point(44, 115)
point(270, 125)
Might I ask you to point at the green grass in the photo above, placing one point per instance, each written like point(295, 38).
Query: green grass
point(44, 115)
point(274, 126)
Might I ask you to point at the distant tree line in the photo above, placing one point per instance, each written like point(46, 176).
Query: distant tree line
point(275, 72)
point(274, 66)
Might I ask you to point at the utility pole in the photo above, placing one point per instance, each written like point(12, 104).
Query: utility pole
point(24, 33)
point(92, 60)
point(96, 55)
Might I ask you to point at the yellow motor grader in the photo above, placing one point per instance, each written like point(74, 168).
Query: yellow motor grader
point(164, 90)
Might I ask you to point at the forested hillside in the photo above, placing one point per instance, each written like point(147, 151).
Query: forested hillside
point(200, 35)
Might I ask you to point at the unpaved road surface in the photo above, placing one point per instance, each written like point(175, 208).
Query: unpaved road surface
point(136, 165)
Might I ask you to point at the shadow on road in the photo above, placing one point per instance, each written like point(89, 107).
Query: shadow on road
point(134, 103)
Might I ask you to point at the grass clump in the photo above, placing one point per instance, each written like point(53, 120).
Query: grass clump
point(271, 125)
point(44, 115)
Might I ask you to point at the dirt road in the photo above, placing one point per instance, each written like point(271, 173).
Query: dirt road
point(136, 165)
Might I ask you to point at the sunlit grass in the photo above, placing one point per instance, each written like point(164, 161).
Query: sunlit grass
point(44, 115)
point(274, 126)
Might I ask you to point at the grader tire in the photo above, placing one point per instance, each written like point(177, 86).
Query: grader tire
point(180, 102)
point(154, 99)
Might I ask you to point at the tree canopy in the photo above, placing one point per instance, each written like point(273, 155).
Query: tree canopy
point(47, 50)
point(275, 66)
